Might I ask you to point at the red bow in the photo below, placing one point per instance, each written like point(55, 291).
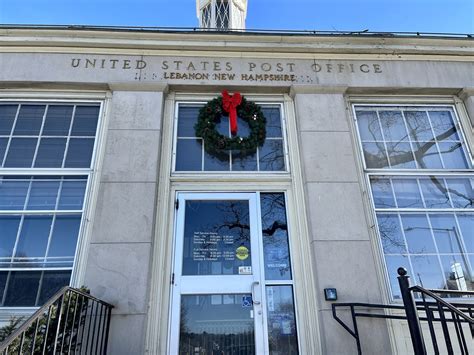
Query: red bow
point(229, 104)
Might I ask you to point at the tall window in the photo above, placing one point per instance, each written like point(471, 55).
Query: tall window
point(420, 174)
point(190, 153)
point(46, 154)
point(222, 15)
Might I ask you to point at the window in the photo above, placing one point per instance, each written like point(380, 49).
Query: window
point(422, 188)
point(46, 154)
point(206, 16)
point(222, 15)
point(190, 154)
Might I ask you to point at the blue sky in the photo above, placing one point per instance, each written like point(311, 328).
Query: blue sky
point(445, 16)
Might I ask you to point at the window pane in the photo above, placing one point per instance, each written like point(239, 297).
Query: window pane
point(419, 125)
point(457, 274)
point(29, 120)
point(64, 237)
point(189, 155)
point(79, 153)
point(382, 192)
point(435, 193)
point(214, 233)
point(7, 117)
point(273, 127)
point(393, 126)
point(281, 321)
point(33, 237)
point(443, 125)
point(446, 233)
point(21, 152)
point(3, 148)
point(271, 155)
point(427, 155)
point(418, 234)
point(391, 234)
point(72, 194)
point(244, 163)
point(466, 222)
point(8, 232)
point(188, 116)
point(50, 153)
point(217, 324)
point(407, 193)
point(375, 155)
point(243, 129)
point(275, 237)
point(22, 288)
point(218, 161)
point(3, 284)
point(58, 120)
point(400, 155)
point(85, 121)
point(461, 192)
point(43, 195)
point(428, 272)
point(52, 283)
point(453, 155)
point(13, 194)
point(369, 127)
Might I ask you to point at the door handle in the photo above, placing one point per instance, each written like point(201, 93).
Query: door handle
point(255, 283)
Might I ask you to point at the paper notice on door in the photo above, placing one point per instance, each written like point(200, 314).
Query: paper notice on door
point(245, 270)
point(270, 302)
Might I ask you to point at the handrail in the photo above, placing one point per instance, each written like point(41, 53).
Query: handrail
point(62, 317)
point(448, 305)
point(430, 309)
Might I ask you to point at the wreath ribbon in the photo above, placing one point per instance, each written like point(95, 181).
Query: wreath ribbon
point(229, 104)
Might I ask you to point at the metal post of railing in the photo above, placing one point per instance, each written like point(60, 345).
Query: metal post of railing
point(411, 312)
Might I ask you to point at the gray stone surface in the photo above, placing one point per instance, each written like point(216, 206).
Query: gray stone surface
point(131, 155)
point(349, 267)
point(118, 274)
point(321, 112)
point(469, 103)
point(328, 156)
point(136, 110)
point(124, 212)
point(127, 334)
point(336, 211)
point(337, 341)
point(60, 67)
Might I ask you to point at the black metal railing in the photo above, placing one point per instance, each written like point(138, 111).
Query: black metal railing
point(72, 321)
point(450, 325)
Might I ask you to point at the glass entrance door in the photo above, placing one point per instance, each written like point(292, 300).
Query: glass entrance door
point(220, 290)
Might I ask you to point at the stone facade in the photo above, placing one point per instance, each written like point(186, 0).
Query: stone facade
point(125, 253)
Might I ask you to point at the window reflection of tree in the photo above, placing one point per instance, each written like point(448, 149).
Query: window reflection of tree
point(399, 155)
point(272, 158)
point(275, 231)
point(392, 240)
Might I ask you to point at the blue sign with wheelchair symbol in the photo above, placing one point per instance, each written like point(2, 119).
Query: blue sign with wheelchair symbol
point(247, 301)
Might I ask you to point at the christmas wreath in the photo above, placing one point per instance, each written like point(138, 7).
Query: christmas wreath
point(235, 106)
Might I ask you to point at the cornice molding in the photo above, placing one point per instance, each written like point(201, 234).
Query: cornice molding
point(212, 42)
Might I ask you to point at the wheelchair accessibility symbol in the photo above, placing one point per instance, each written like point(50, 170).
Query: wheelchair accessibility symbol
point(247, 301)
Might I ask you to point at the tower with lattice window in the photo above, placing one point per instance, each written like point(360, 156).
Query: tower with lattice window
point(222, 15)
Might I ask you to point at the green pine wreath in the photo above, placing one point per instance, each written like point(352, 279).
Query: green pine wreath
point(216, 143)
